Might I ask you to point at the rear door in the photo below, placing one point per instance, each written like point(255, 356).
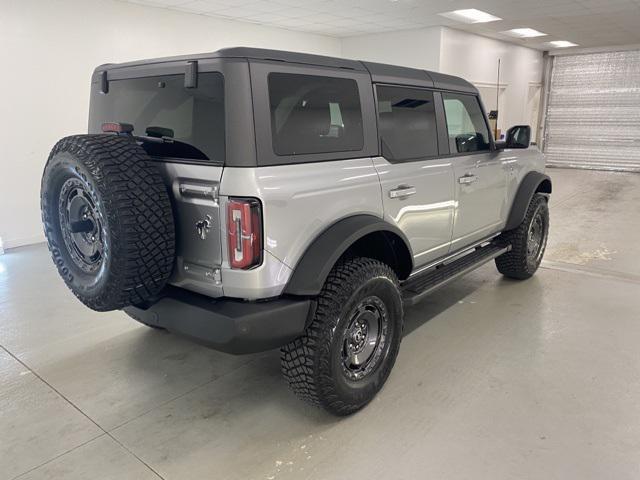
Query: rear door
point(480, 173)
point(417, 186)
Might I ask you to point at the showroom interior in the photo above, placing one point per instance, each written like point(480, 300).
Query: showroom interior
point(495, 378)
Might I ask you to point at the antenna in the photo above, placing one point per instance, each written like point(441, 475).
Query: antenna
point(495, 132)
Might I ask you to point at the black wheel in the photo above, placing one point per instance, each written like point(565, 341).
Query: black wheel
point(108, 220)
point(528, 242)
point(351, 344)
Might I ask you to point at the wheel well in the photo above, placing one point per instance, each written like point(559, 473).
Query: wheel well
point(385, 246)
point(544, 187)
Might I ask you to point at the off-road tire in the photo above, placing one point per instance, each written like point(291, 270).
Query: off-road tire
point(133, 219)
point(312, 364)
point(516, 263)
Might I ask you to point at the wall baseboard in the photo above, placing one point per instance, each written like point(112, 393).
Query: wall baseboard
point(22, 241)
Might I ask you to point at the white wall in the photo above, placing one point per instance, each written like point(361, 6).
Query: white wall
point(409, 48)
point(476, 59)
point(48, 50)
point(470, 56)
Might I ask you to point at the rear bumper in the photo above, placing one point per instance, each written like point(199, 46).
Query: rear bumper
point(228, 325)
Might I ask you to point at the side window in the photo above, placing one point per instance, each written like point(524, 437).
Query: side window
point(314, 114)
point(467, 128)
point(407, 123)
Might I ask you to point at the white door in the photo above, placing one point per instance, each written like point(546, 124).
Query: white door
point(593, 111)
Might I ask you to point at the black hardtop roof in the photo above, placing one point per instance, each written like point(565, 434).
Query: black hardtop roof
point(380, 73)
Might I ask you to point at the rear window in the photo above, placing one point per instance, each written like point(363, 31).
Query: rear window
point(314, 114)
point(179, 122)
point(407, 123)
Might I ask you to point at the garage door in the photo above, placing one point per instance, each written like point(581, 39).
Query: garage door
point(593, 111)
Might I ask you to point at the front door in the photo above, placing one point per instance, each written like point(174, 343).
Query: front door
point(480, 173)
point(417, 186)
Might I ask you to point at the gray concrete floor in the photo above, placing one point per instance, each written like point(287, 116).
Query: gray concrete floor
point(495, 379)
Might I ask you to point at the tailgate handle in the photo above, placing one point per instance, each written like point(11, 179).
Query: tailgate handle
point(199, 191)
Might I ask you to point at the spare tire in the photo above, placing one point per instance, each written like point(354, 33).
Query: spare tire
point(108, 220)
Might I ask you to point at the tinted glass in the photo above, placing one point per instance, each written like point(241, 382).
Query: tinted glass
point(182, 122)
point(467, 128)
point(314, 114)
point(407, 123)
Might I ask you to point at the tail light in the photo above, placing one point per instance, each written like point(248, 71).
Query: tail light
point(244, 237)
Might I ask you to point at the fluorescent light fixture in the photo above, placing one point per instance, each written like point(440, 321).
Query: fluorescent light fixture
point(562, 44)
point(470, 15)
point(524, 33)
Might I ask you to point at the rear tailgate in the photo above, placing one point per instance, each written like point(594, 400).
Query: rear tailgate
point(194, 191)
point(182, 128)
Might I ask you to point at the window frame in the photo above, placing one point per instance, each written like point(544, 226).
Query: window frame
point(266, 156)
point(437, 103)
point(492, 146)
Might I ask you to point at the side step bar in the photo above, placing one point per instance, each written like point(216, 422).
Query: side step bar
point(417, 288)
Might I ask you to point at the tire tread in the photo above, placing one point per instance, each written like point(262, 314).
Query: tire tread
point(305, 361)
point(139, 215)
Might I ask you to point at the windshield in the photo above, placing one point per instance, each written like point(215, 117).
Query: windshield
point(182, 122)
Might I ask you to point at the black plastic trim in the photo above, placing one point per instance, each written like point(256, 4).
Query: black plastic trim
point(104, 82)
point(418, 287)
point(313, 268)
point(443, 132)
point(229, 325)
point(527, 188)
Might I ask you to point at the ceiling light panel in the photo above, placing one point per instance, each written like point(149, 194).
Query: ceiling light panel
point(470, 15)
point(524, 33)
point(562, 44)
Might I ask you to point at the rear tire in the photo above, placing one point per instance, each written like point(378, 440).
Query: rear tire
point(108, 220)
point(528, 242)
point(351, 344)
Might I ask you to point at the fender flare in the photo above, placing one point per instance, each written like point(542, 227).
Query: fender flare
point(532, 182)
point(314, 266)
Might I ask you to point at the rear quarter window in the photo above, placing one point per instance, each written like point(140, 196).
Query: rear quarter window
point(314, 114)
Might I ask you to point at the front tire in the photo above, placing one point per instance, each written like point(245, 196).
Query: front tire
point(528, 242)
point(351, 344)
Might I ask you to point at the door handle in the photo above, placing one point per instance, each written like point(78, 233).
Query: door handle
point(402, 191)
point(467, 179)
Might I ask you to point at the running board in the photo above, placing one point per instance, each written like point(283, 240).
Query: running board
point(417, 288)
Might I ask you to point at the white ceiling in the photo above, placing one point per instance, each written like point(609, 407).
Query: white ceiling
point(589, 23)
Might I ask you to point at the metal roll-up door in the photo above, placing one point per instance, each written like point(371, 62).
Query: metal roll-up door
point(593, 111)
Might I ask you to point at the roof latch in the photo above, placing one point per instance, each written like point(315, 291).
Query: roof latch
point(191, 75)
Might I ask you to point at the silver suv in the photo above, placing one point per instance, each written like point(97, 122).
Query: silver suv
point(254, 199)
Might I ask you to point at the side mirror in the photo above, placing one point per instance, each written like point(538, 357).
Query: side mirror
point(518, 137)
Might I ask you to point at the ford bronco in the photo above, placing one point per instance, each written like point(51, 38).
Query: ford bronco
point(254, 199)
